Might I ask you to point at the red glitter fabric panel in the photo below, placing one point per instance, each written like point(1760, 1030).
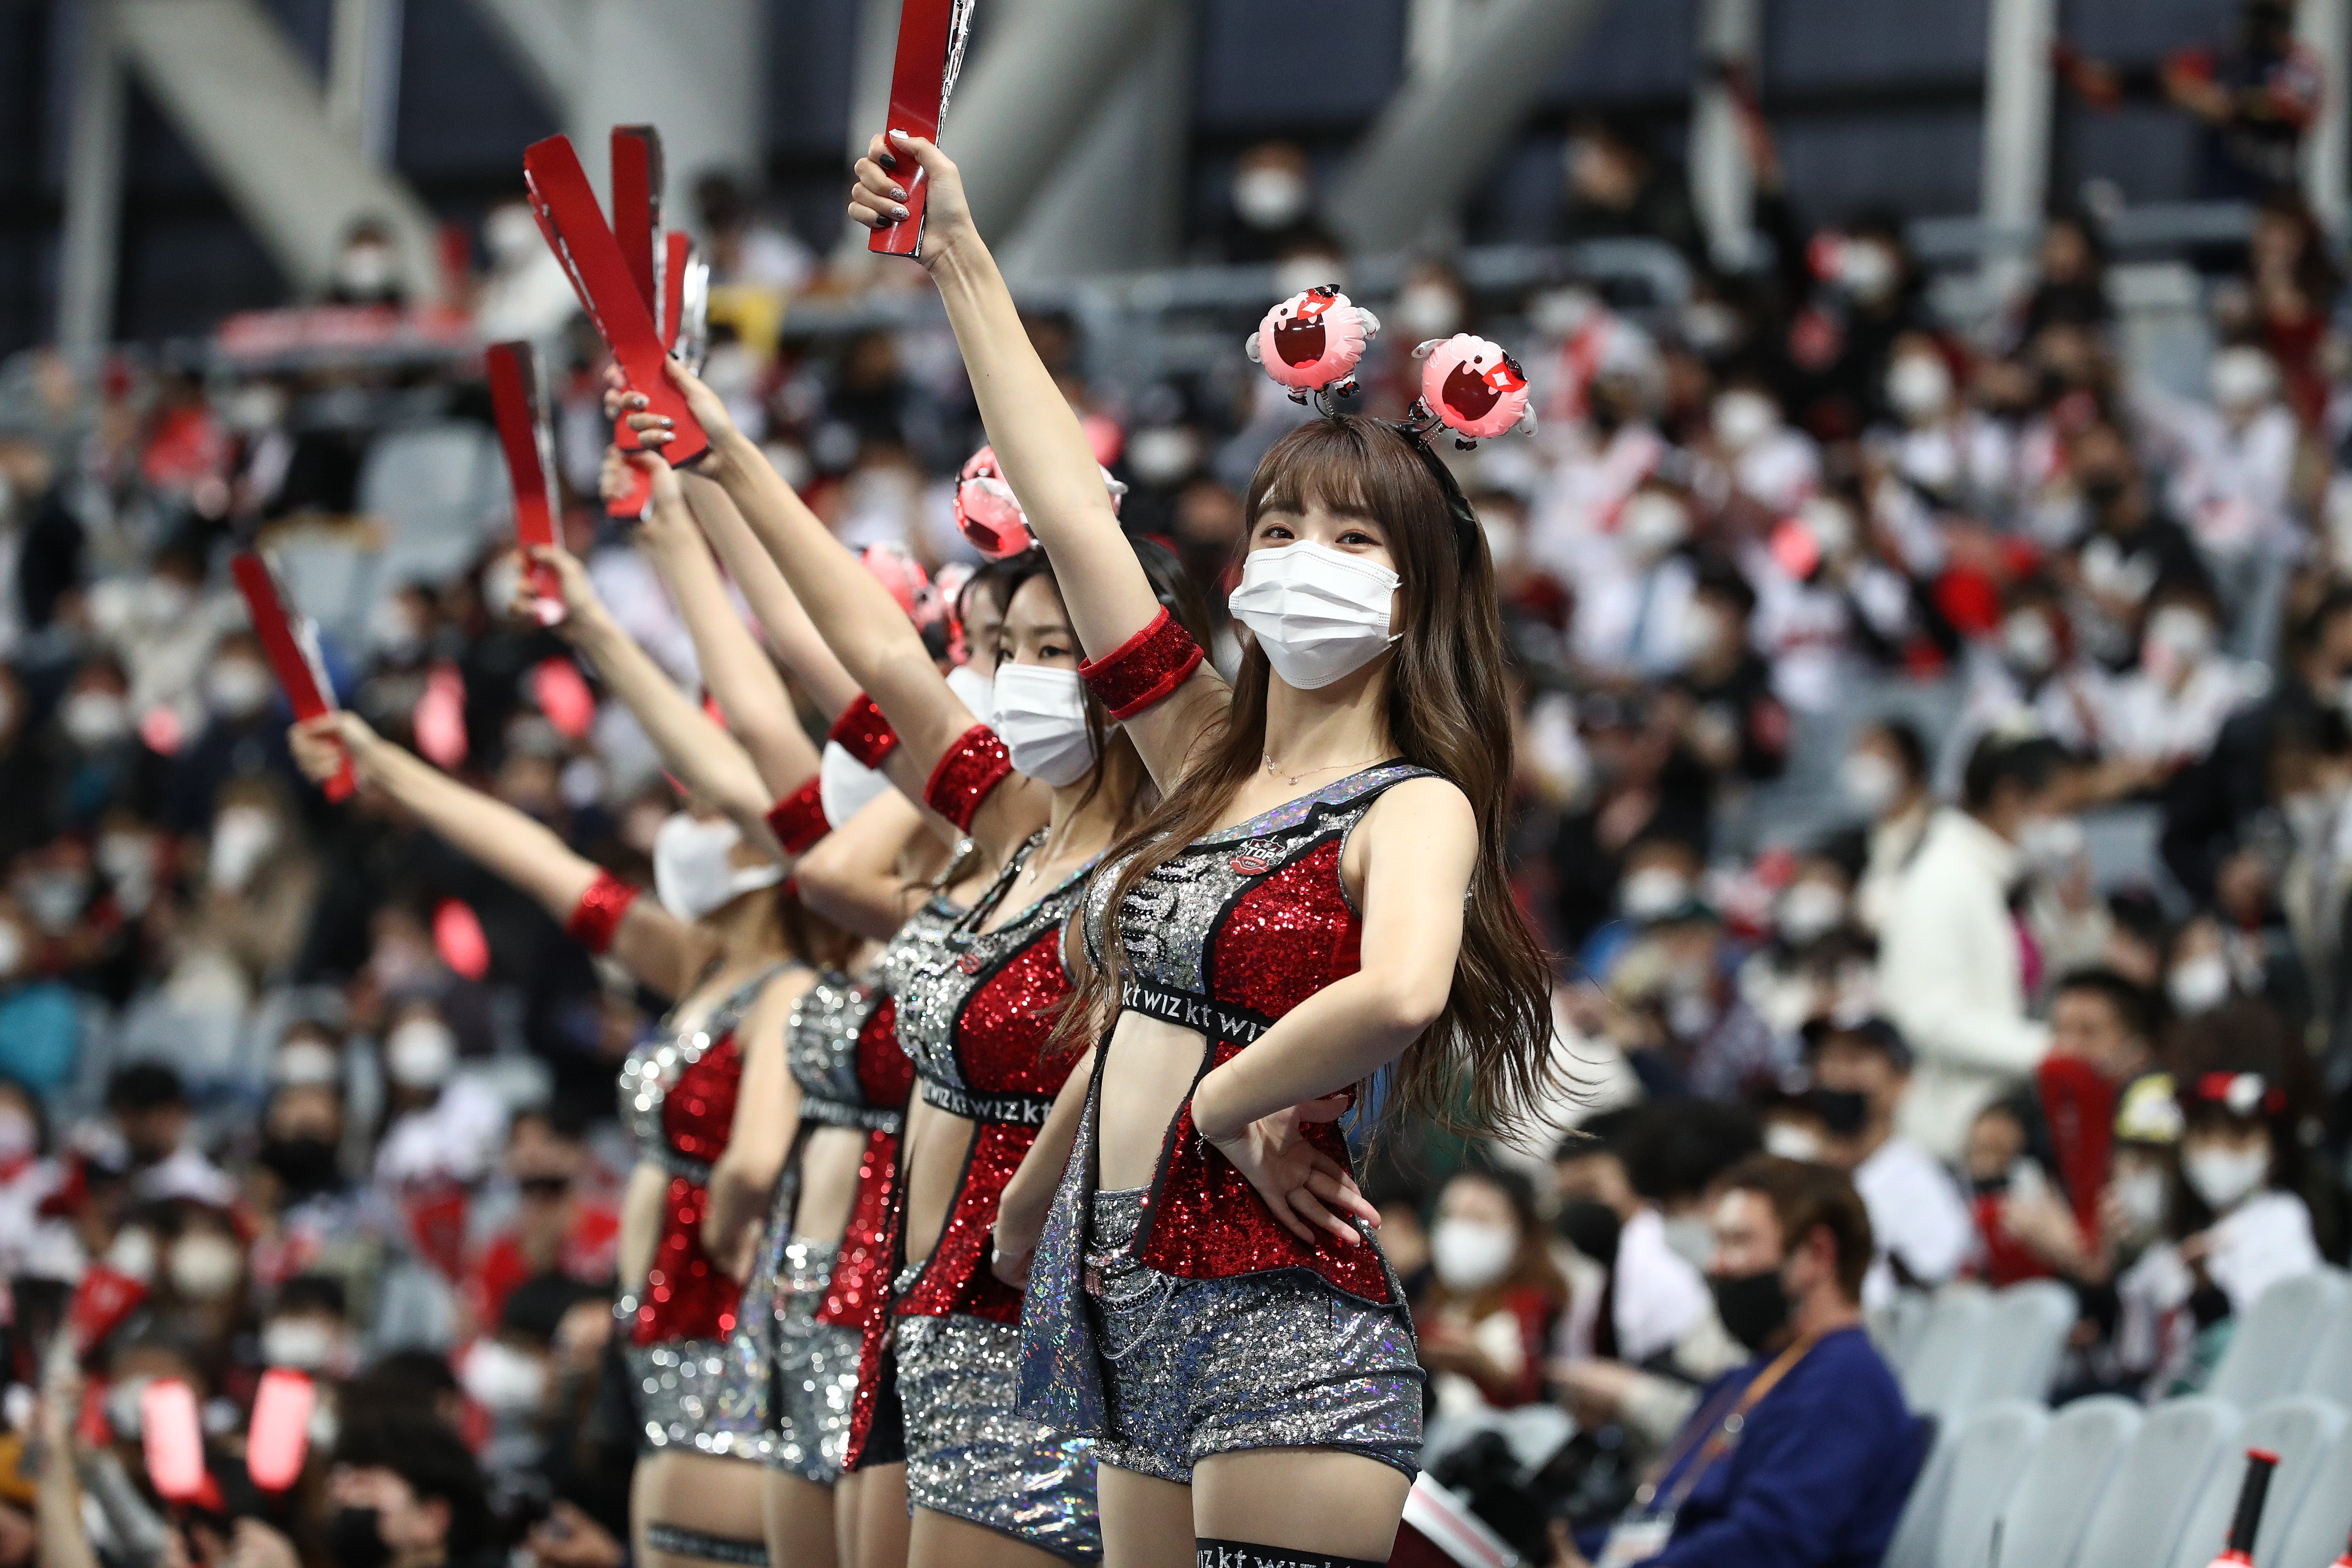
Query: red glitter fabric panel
point(686, 1295)
point(863, 732)
point(1003, 1026)
point(885, 1075)
point(956, 1279)
point(1144, 668)
point(699, 1112)
point(1288, 936)
point(876, 1327)
point(598, 914)
point(968, 771)
point(798, 819)
point(1205, 1220)
point(860, 1286)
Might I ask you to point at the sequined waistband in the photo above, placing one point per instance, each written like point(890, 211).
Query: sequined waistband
point(676, 1164)
point(1017, 1109)
point(1190, 1010)
point(841, 1113)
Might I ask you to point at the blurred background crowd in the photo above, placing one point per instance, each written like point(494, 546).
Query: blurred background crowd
point(1934, 759)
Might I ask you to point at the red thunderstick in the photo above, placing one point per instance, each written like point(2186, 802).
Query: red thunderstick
point(569, 216)
point(931, 46)
point(638, 229)
point(292, 643)
point(518, 397)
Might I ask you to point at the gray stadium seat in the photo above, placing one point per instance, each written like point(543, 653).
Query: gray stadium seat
point(2304, 1433)
point(1915, 1540)
point(1895, 1328)
point(2081, 1455)
point(2316, 1533)
point(440, 489)
point(2023, 1337)
point(1939, 1376)
point(2272, 1348)
point(1995, 1445)
point(2329, 1375)
point(2137, 1525)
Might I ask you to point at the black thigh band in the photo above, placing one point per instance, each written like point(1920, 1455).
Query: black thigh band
point(679, 1541)
point(1210, 1553)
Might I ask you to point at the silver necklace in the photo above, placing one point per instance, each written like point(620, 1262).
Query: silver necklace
point(1300, 778)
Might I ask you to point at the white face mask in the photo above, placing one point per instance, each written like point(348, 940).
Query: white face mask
point(844, 784)
point(243, 836)
point(2028, 643)
point(2243, 379)
point(302, 1064)
point(1269, 198)
point(2226, 1177)
point(1919, 386)
point(1870, 782)
point(1319, 615)
point(236, 688)
point(1692, 1239)
point(1653, 892)
point(420, 1053)
point(2178, 639)
point(1810, 909)
point(975, 690)
point(694, 868)
point(93, 718)
point(1041, 716)
point(502, 1380)
point(302, 1344)
point(1429, 311)
point(1654, 523)
point(1471, 1254)
point(1741, 418)
point(2051, 844)
point(1788, 1141)
point(206, 1267)
point(2199, 984)
point(2139, 1194)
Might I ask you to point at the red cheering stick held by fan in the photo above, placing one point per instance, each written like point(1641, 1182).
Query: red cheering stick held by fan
point(932, 35)
point(638, 230)
point(518, 397)
point(292, 643)
point(575, 229)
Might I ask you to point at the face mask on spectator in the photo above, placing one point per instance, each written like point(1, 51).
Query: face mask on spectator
point(1041, 714)
point(131, 1254)
point(55, 898)
point(243, 836)
point(1269, 197)
point(2028, 644)
point(236, 688)
point(12, 949)
point(165, 599)
point(977, 691)
point(122, 1408)
point(1429, 311)
point(502, 1380)
point(1652, 892)
point(93, 718)
point(2140, 1196)
point(1592, 1227)
point(1744, 417)
point(1920, 386)
point(355, 1539)
point(501, 578)
point(2178, 639)
point(2225, 1176)
point(1808, 910)
point(2049, 843)
point(307, 1344)
point(1708, 327)
point(1868, 269)
point(1471, 1254)
point(206, 1267)
point(695, 872)
point(2198, 983)
point(2243, 379)
point(1844, 1113)
point(1558, 314)
point(1702, 631)
point(1320, 615)
point(364, 272)
point(419, 1053)
point(1654, 523)
point(306, 1165)
point(19, 1139)
point(1790, 1141)
point(129, 861)
point(1870, 782)
point(1754, 1307)
point(394, 631)
point(1689, 1237)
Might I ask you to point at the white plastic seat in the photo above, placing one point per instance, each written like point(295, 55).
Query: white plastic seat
point(2313, 1535)
point(1896, 1327)
point(1914, 1544)
point(2081, 1455)
point(2329, 1374)
point(2272, 1348)
point(2305, 1434)
point(1995, 1445)
point(441, 489)
point(2139, 1522)
point(1940, 1376)
point(2022, 1341)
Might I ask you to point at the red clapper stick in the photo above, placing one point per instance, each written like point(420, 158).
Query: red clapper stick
point(636, 229)
point(519, 398)
point(568, 214)
point(292, 643)
point(918, 100)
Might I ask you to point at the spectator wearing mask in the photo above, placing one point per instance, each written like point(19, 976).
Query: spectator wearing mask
point(1729, 718)
point(1954, 960)
point(149, 1107)
point(408, 1495)
point(1774, 467)
point(2035, 672)
point(2130, 545)
point(1922, 1228)
point(1805, 1454)
point(2168, 712)
point(1617, 190)
point(2233, 472)
point(2025, 1229)
point(1815, 961)
point(1272, 213)
point(33, 1243)
point(1686, 1029)
point(557, 1229)
point(1488, 1315)
point(2254, 96)
point(1633, 584)
point(239, 736)
point(2071, 277)
point(1652, 1295)
point(1884, 777)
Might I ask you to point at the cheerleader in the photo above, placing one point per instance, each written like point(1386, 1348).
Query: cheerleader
point(1318, 900)
point(733, 950)
point(1041, 793)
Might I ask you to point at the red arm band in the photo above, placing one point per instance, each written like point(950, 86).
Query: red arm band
point(974, 766)
point(1143, 670)
point(799, 819)
point(863, 732)
point(598, 916)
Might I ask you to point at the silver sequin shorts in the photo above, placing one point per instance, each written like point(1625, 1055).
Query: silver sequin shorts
point(970, 1456)
point(680, 1391)
point(814, 1369)
point(1196, 1367)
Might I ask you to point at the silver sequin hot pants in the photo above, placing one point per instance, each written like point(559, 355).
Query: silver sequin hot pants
point(1196, 1367)
point(970, 1456)
point(679, 1390)
point(814, 1369)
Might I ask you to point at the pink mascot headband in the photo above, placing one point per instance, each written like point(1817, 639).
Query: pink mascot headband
point(989, 515)
point(1312, 342)
point(1470, 387)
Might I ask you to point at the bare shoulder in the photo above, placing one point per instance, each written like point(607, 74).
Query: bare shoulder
point(1425, 804)
point(773, 1007)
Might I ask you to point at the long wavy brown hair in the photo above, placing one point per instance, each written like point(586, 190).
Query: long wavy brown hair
point(1483, 1067)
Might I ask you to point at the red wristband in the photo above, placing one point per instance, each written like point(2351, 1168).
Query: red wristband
point(599, 913)
point(799, 819)
point(863, 732)
point(974, 765)
point(1144, 668)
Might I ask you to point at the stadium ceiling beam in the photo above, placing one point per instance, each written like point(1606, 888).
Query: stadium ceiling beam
point(1722, 180)
point(1442, 132)
point(2325, 25)
point(252, 111)
point(2014, 181)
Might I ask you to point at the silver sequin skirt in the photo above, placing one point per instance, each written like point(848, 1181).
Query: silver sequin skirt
point(969, 1456)
point(1196, 1367)
point(681, 1391)
point(813, 1369)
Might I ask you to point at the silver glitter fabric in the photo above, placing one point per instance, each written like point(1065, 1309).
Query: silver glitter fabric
point(747, 1410)
point(1278, 1360)
point(814, 1368)
point(969, 1456)
point(680, 1385)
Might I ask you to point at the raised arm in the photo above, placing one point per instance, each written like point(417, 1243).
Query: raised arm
point(657, 947)
point(861, 623)
point(1039, 443)
point(854, 878)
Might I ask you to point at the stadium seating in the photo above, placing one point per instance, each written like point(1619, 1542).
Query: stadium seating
point(2274, 1346)
point(2304, 1433)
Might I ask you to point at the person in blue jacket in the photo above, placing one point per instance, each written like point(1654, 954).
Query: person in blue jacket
point(1801, 1457)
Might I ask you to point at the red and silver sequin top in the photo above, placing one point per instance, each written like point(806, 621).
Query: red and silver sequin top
point(677, 1100)
point(1235, 931)
point(842, 1047)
